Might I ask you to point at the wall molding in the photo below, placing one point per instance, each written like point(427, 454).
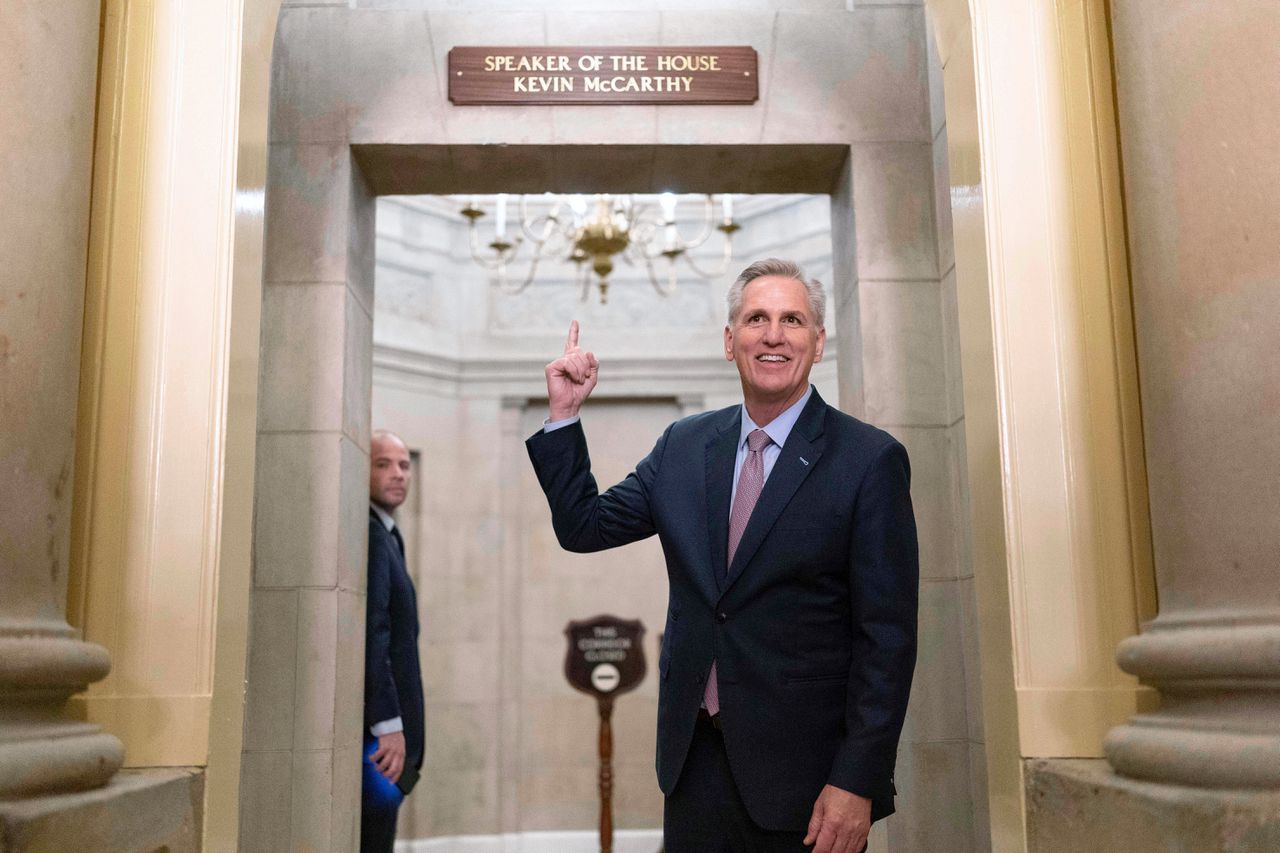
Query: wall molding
point(400, 367)
point(571, 841)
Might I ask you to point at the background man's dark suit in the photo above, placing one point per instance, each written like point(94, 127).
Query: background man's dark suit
point(392, 677)
point(813, 626)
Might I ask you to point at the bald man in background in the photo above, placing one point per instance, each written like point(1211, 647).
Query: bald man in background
point(393, 712)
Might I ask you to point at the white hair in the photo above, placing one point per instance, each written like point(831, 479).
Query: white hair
point(817, 297)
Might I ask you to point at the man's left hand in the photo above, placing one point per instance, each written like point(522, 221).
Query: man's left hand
point(840, 822)
point(389, 756)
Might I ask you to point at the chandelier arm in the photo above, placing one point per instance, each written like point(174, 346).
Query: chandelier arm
point(645, 230)
point(528, 279)
point(708, 213)
point(490, 264)
point(473, 242)
point(653, 278)
point(550, 222)
point(507, 290)
point(642, 247)
point(726, 256)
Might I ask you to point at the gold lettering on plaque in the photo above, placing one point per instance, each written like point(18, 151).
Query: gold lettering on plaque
point(637, 84)
point(603, 75)
point(542, 84)
point(526, 63)
point(688, 63)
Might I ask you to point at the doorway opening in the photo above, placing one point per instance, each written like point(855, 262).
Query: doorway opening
point(457, 373)
point(888, 313)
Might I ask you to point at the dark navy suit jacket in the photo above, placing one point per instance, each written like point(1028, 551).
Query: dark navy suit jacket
point(813, 627)
point(392, 675)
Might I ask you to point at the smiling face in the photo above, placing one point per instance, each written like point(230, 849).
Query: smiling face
point(775, 340)
point(389, 471)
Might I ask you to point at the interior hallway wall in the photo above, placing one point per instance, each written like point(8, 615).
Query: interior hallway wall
point(943, 750)
point(511, 747)
point(454, 536)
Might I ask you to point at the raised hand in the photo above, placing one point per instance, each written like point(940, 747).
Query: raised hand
point(571, 377)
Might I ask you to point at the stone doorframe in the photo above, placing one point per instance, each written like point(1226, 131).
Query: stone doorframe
point(303, 732)
point(340, 133)
point(845, 110)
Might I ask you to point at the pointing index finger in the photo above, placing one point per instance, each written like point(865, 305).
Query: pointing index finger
point(571, 345)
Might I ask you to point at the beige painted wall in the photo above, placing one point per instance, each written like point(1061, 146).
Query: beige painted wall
point(1058, 500)
point(150, 499)
point(160, 563)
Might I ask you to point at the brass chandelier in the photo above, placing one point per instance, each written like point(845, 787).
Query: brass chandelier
point(593, 231)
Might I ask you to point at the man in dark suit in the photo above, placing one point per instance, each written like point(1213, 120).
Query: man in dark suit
point(393, 735)
point(791, 554)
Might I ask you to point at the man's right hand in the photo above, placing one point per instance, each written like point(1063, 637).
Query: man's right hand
point(571, 378)
point(389, 756)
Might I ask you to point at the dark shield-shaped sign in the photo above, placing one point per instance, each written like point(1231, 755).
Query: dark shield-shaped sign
point(605, 655)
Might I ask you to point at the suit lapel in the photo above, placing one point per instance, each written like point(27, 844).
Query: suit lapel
point(721, 452)
point(396, 547)
point(798, 457)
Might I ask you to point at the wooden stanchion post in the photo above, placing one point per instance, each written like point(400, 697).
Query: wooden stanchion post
point(605, 659)
point(605, 704)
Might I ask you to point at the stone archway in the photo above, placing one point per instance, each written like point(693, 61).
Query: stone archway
point(341, 134)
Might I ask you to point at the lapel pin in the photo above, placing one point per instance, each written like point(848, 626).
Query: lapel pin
point(805, 461)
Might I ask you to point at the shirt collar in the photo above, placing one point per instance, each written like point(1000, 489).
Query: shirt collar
point(383, 516)
point(780, 427)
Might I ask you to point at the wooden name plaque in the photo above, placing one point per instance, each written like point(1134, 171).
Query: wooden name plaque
point(603, 75)
point(604, 657)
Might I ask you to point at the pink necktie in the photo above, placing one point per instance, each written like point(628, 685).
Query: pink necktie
point(750, 483)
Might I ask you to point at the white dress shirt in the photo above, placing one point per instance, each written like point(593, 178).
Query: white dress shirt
point(777, 429)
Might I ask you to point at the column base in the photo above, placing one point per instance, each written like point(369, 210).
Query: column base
point(1082, 804)
point(1218, 723)
point(42, 751)
point(138, 810)
point(63, 756)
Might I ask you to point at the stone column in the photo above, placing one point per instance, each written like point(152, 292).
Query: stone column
point(1196, 86)
point(48, 72)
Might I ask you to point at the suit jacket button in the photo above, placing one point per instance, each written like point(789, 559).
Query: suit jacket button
point(722, 618)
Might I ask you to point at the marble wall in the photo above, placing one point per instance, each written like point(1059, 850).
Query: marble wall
point(943, 748)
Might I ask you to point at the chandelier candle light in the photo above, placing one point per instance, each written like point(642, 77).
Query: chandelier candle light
point(595, 231)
